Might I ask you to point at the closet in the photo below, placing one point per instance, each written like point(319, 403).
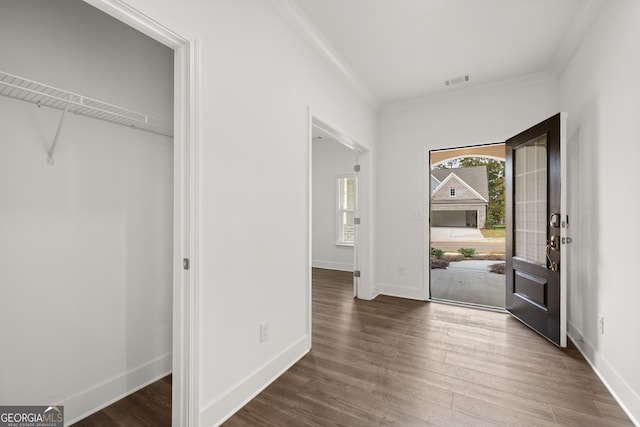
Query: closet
point(86, 206)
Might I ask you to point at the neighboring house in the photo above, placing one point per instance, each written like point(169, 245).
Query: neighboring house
point(459, 197)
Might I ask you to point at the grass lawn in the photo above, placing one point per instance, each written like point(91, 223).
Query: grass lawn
point(498, 231)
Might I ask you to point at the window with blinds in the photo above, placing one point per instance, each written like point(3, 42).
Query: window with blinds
point(346, 206)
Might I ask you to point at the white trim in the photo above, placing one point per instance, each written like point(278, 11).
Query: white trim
point(400, 291)
point(619, 388)
point(564, 257)
point(191, 301)
point(461, 181)
point(220, 409)
point(426, 227)
point(131, 16)
point(104, 394)
point(375, 292)
point(185, 408)
point(338, 134)
point(300, 22)
point(356, 227)
point(343, 138)
point(309, 236)
point(332, 265)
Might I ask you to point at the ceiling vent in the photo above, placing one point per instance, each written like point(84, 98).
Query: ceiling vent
point(457, 80)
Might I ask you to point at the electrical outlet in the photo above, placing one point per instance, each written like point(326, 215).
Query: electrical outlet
point(264, 331)
point(601, 324)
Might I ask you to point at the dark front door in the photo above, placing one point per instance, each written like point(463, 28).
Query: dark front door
point(535, 229)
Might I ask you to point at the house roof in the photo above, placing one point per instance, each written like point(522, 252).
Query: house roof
point(434, 183)
point(474, 176)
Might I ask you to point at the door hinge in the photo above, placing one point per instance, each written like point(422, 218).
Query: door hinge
point(356, 273)
point(185, 263)
point(356, 168)
point(356, 221)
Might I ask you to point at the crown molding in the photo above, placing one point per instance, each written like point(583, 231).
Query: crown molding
point(292, 14)
point(569, 44)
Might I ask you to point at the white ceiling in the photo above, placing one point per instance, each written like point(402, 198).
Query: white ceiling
point(404, 49)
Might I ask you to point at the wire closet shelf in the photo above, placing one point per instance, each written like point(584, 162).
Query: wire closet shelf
point(41, 94)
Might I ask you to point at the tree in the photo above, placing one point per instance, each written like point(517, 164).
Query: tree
point(495, 177)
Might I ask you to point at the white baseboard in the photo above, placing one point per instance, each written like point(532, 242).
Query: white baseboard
point(98, 397)
point(626, 397)
point(375, 291)
point(400, 291)
point(331, 265)
point(218, 411)
point(366, 293)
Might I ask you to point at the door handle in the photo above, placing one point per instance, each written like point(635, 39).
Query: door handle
point(553, 244)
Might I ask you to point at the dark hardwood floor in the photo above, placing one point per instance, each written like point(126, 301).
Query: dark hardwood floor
point(397, 362)
point(150, 406)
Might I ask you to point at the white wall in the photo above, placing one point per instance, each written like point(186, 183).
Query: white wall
point(258, 79)
point(330, 158)
point(85, 244)
point(599, 89)
point(407, 132)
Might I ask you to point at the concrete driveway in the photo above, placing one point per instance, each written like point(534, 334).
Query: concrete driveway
point(449, 234)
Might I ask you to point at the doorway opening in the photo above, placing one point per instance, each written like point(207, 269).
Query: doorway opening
point(334, 200)
point(185, 255)
point(466, 234)
point(333, 209)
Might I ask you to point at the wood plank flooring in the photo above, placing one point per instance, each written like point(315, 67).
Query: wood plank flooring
point(149, 406)
point(397, 362)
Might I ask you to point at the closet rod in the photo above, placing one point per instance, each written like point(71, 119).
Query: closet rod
point(40, 94)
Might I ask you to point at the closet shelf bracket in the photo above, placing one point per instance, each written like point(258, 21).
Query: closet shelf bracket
point(43, 95)
point(52, 149)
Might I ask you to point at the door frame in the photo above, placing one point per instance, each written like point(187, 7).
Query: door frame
point(343, 138)
point(185, 404)
point(426, 247)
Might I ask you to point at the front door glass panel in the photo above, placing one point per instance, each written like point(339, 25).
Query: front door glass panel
point(531, 200)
